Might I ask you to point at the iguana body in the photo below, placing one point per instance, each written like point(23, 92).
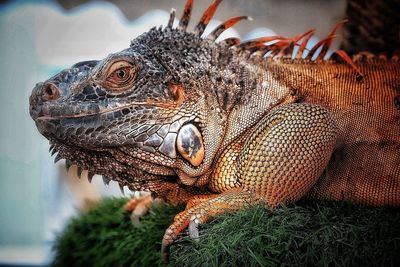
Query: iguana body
point(219, 126)
point(364, 167)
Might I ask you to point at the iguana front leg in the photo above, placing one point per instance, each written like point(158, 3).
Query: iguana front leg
point(278, 162)
point(287, 152)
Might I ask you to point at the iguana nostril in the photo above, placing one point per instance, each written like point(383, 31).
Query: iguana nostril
point(50, 92)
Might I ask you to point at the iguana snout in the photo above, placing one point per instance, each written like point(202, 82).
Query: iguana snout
point(53, 102)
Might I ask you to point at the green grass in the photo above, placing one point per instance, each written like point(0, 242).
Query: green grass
point(310, 233)
point(105, 236)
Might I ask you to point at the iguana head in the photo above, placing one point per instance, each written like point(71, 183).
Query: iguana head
point(150, 107)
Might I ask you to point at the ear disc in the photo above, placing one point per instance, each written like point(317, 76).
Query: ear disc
point(190, 144)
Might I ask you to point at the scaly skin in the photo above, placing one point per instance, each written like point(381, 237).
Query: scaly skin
point(219, 126)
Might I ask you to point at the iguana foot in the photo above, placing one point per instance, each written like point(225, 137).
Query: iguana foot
point(200, 210)
point(139, 206)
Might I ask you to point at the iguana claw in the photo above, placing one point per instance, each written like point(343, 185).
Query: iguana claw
point(194, 228)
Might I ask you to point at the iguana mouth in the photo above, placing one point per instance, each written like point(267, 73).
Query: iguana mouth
point(53, 110)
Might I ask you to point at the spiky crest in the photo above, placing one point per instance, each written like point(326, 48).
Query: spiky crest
point(268, 46)
point(171, 18)
point(225, 25)
point(205, 19)
point(187, 11)
point(207, 16)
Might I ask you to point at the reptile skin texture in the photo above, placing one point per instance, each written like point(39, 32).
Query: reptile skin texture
point(222, 125)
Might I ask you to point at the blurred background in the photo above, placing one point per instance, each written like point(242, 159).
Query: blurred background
point(37, 40)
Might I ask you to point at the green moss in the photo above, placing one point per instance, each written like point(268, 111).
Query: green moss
point(310, 233)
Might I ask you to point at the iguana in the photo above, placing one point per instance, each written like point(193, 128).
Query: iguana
point(221, 125)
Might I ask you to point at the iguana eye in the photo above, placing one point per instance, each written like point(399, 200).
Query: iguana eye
point(120, 76)
point(121, 73)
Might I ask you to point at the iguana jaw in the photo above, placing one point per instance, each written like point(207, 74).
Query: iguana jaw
point(105, 163)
